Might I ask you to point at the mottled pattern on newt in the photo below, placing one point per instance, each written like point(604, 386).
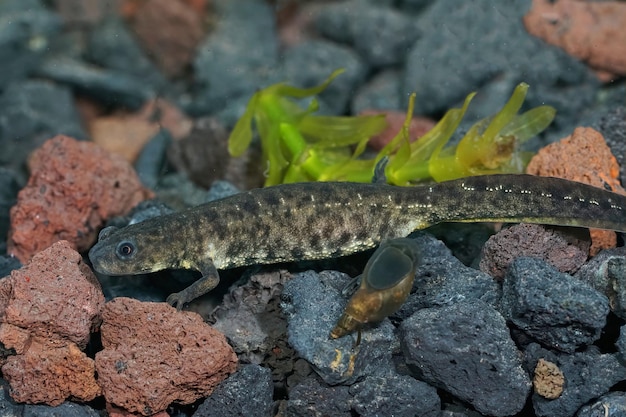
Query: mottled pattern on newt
point(321, 220)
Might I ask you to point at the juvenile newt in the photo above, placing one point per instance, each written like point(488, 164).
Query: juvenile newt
point(319, 220)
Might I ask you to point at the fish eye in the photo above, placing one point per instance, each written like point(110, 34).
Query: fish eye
point(125, 250)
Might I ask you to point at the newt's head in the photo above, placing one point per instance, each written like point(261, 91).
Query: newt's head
point(135, 249)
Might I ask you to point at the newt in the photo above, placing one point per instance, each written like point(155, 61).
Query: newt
point(316, 220)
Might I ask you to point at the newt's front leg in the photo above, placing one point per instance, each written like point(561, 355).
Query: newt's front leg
point(209, 280)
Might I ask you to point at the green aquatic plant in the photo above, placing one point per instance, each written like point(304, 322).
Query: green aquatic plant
point(298, 145)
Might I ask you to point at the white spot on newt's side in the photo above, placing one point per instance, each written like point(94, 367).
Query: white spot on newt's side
point(282, 200)
point(312, 198)
point(359, 196)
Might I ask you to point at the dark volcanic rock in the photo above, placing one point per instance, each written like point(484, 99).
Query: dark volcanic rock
point(381, 35)
point(613, 128)
point(309, 63)
point(612, 404)
point(483, 44)
point(247, 392)
point(311, 398)
point(442, 279)
point(605, 272)
point(110, 87)
point(313, 303)
point(395, 395)
point(223, 72)
point(587, 375)
point(26, 31)
point(111, 45)
point(465, 349)
point(32, 112)
point(553, 308)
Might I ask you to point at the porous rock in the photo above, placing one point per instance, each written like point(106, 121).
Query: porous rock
point(590, 31)
point(548, 379)
point(73, 188)
point(465, 348)
point(248, 392)
point(583, 157)
point(551, 307)
point(588, 374)
point(395, 395)
point(154, 355)
point(612, 404)
point(605, 272)
point(313, 303)
point(441, 279)
point(313, 398)
point(48, 309)
point(562, 248)
point(50, 371)
point(54, 294)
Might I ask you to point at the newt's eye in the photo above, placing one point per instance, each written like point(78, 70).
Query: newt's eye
point(125, 250)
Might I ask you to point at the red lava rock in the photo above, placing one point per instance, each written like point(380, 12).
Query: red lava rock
point(47, 310)
point(591, 31)
point(154, 355)
point(127, 133)
point(180, 30)
point(419, 127)
point(583, 157)
point(54, 294)
point(561, 248)
point(73, 188)
point(51, 372)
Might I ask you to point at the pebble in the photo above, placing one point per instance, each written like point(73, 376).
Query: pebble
point(588, 374)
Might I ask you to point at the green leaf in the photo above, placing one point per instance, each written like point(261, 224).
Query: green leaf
point(241, 135)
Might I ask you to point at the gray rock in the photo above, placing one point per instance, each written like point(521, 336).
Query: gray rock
point(379, 34)
point(312, 61)
point(247, 392)
point(395, 395)
point(382, 92)
point(67, 409)
point(32, 112)
point(613, 128)
point(152, 159)
point(8, 407)
point(9, 187)
point(553, 308)
point(465, 349)
point(26, 30)
point(8, 264)
point(466, 46)
point(238, 57)
point(110, 87)
point(441, 279)
point(612, 404)
point(588, 375)
point(312, 398)
point(620, 343)
point(313, 303)
point(111, 45)
point(605, 272)
point(221, 189)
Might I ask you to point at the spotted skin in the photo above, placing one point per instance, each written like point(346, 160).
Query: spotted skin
point(304, 221)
